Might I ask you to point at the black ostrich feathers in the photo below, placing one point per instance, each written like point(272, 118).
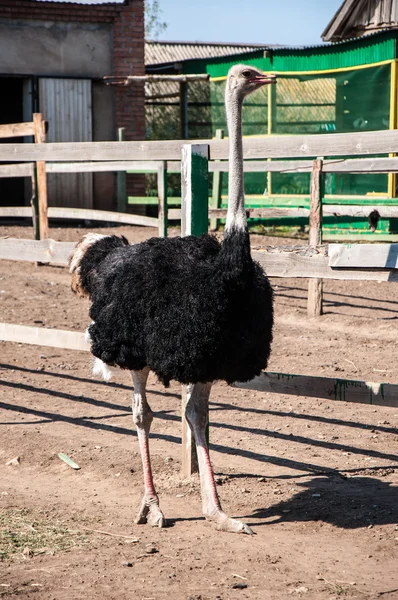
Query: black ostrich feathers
point(191, 309)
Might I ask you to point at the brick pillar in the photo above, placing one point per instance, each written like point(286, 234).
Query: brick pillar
point(128, 51)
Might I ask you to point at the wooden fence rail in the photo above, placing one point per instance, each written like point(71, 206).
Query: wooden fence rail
point(330, 388)
point(379, 394)
point(164, 167)
point(355, 262)
point(288, 146)
point(59, 212)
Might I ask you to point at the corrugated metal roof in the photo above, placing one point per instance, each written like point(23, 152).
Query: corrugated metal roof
point(159, 52)
point(358, 17)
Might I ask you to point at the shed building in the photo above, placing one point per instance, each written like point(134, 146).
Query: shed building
point(53, 56)
point(360, 17)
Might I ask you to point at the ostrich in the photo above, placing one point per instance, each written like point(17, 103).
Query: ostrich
point(189, 309)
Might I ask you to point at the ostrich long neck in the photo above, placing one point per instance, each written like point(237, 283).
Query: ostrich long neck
point(236, 215)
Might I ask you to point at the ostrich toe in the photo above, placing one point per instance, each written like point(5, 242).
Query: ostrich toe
point(225, 523)
point(150, 513)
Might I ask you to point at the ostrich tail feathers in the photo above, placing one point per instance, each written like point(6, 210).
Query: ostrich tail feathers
point(87, 255)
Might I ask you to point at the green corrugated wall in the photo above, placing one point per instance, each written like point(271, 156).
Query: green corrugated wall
point(370, 49)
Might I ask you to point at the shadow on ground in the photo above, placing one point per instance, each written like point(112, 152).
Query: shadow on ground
point(349, 503)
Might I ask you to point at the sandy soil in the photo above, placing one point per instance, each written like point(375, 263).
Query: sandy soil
point(316, 480)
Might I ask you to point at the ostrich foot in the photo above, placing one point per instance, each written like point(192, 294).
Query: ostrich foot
point(225, 523)
point(150, 513)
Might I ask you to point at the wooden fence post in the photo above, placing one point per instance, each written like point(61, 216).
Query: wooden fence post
point(315, 286)
point(189, 462)
point(121, 186)
point(194, 221)
point(41, 204)
point(184, 110)
point(194, 189)
point(35, 204)
point(162, 196)
point(217, 187)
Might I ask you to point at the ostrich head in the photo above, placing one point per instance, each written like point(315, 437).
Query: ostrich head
point(243, 80)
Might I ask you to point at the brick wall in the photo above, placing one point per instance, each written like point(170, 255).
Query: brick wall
point(128, 53)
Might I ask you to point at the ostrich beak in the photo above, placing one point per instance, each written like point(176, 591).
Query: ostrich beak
point(264, 79)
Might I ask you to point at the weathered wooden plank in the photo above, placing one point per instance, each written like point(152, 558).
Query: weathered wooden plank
point(220, 213)
point(338, 165)
point(128, 79)
point(16, 211)
point(56, 338)
point(174, 166)
point(101, 215)
point(377, 394)
point(361, 165)
point(356, 210)
point(264, 213)
point(174, 214)
point(17, 130)
point(103, 167)
point(91, 151)
point(292, 146)
point(19, 170)
point(363, 255)
point(288, 213)
point(43, 251)
point(276, 262)
point(315, 286)
point(55, 212)
point(290, 264)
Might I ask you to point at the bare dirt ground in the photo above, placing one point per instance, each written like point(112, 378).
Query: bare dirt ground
point(316, 480)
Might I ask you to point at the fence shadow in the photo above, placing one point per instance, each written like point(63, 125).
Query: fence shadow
point(303, 416)
point(355, 296)
point(331, 303)
point(391, 262)
point(68, 377)
point(346, 503)
point(88, 421)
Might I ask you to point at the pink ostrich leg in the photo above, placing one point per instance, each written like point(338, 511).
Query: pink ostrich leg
point(196, 413)
point(143, 416)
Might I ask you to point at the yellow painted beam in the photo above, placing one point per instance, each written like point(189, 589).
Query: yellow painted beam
point(339, 70)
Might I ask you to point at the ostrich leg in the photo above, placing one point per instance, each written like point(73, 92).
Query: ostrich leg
point(142, 417)
point(196, 413)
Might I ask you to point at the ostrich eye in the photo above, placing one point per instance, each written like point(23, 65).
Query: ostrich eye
point(246, 74)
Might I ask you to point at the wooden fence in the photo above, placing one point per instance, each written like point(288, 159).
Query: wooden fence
point(35, 171)
point(43, 212)
point(355, 262)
